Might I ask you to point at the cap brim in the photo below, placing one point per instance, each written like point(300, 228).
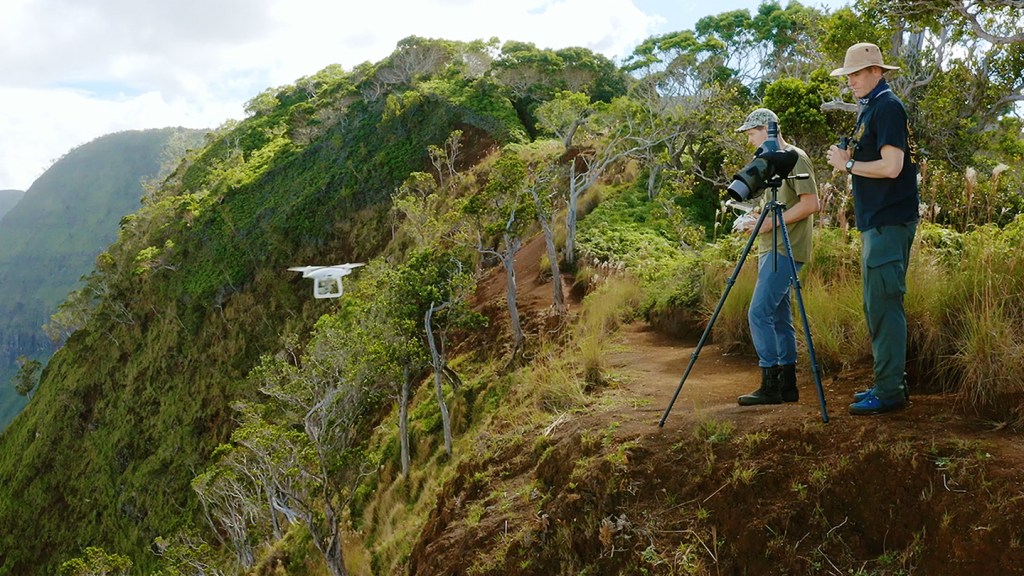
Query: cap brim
point(746, 127)
point(852, 69)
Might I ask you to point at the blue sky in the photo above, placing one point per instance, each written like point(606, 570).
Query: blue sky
point(74, 70)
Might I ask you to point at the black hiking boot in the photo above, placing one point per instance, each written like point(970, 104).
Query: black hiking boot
point(789, 391)
point(770, 390)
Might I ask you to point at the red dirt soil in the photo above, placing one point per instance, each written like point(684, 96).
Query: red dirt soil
point(724, 489)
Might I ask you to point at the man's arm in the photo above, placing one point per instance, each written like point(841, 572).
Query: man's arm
point(806, 205)
point(889, 166)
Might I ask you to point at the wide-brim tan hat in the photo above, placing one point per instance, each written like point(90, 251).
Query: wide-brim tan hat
point(861, 56)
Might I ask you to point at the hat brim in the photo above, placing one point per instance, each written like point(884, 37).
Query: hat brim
point(851, 69)
point(747, 126)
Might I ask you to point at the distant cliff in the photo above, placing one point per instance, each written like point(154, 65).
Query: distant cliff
point(8, 198)
point(52, 233)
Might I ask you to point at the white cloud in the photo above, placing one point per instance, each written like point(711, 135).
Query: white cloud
point(351, 35)
point(41, 125)
point(74, 70)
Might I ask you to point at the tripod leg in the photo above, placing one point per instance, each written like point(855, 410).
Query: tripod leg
point(803, 314)
point(714, 316)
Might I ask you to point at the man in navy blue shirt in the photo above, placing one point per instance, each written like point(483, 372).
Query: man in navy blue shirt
point(885, 197)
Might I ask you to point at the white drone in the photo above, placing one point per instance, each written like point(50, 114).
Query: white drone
point(326, 279)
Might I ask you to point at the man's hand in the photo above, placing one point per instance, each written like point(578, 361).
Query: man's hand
point(746, 222)
point(837, 158)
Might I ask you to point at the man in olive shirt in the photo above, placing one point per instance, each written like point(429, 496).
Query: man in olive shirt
point(770, 316)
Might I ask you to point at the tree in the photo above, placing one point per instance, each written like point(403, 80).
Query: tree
point(426, 201)
point(591, 73)
point(185, 554)
point(299, 456)
point(543, 178)
point(732, 49)
point(439, 360)
point(479, 55)
point(429, 298)
point(564, 115)
point(613, 137)
point(391, 348)
point(237, 497)
point(432, 281)
point(28, 375)
point(683, 113)
point(444, 158)
point(501, 215)
point(419, 204)
point(527, 73)
point(415, 57)
point(798, 104)
point(71, 314)
point(97, 562)
point(678, 64)
point(533, 76)
point(787, 40)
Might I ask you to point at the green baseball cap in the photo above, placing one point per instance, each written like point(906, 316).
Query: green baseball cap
point(759, 117)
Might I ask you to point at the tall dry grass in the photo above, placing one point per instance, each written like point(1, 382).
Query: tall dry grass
point(966, 311)
point(615, 302)
point(731, 330)
point(964, 303)
point(836, 318)
point(830, 288)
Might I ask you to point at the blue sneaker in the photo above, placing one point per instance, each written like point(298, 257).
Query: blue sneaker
point(860, 396)
point(872, 404)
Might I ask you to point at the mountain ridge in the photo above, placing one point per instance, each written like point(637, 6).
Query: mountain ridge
point(198, 284)
point(61, 223)
point(207, 414)
point(8, 199)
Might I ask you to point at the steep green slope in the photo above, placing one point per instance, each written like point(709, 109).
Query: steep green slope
point(179, 309)
point(51, 238)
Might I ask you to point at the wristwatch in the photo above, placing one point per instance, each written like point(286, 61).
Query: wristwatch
point(849, 166)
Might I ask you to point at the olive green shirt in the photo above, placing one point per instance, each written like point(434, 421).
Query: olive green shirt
point(789, 194)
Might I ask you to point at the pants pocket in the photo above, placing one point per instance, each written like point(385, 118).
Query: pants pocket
point(890, 279)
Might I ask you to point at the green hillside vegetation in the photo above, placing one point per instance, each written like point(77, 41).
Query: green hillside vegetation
point(66, 218)
point(207, 415)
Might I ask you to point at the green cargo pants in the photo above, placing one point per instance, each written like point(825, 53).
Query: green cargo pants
point(885, 255)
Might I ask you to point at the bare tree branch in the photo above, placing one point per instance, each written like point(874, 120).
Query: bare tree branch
point(836, 105)
point(963, 6)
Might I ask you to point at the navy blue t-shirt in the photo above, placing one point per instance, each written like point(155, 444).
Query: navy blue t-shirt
point(884, 201)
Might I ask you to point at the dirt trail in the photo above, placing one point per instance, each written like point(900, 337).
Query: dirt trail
point(605, 490)
point(648, 366)
point(653, 365)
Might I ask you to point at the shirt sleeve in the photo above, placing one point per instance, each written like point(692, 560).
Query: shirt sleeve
point(808, 186)
point(891, 125)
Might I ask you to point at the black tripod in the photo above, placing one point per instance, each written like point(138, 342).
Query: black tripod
point(776, 208)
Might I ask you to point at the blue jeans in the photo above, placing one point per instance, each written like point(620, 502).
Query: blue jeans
point(770, 315)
